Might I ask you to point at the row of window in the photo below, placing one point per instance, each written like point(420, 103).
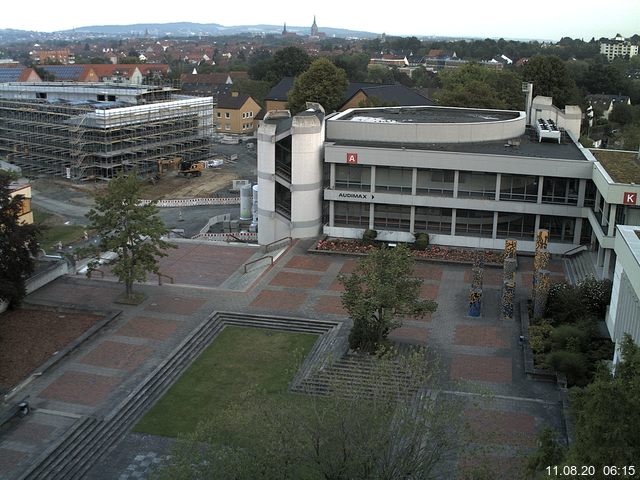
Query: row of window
point(228, 114)
point(476, 223)
point(519, 188)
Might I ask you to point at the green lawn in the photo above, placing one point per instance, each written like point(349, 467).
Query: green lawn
point(54, 231)
point(241, 367)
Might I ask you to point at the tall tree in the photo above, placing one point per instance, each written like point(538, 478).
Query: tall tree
point(550, 78)
point(290, 62)
point(381, 290)
point(323, 82)
point(128, 228)
point(18, 245)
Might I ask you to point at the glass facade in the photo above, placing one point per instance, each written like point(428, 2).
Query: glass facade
point(433, 220)
point(348, 214)
point(476, 223)
point(560, 190)
point(560, 228)
point(519, 188)
point(516, 225)
point(394, 179)
point(353, 177)
point(477, 185)
point(392, 217)
point(435, 182)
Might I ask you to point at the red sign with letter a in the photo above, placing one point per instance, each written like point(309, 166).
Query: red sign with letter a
point(630, 198)
point(352, 158)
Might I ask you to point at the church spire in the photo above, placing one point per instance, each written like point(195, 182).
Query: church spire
point(314, 28)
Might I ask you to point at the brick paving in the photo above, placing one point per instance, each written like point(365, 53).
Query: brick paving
point(481, 336)
point(98, 376)
point(119, 356)
point(33, 432)
point(81, 388)
point(481, 368)
point(295, 280)
point(491, 276)
point(148, 327)
point(279, 300)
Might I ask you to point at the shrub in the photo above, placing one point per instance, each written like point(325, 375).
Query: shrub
point(539, 336)
point(595, 295)
point(569, 337)
point(422, 241)
point(369, 235)
point(572, 364)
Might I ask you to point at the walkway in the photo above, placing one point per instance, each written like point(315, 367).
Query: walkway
point(478, 355)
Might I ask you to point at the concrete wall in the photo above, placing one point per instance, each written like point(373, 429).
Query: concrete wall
point(266, 184)
point(56, 269)
point(569, 118)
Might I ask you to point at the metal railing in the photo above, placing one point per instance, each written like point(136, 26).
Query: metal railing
point(257, 260)
point(573, 251)
point(160, 275)
point(270, 246)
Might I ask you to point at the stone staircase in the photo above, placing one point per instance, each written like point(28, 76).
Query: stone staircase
point(92, 438)
point(579, 266)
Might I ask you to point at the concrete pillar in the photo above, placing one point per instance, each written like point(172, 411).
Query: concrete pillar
point(373, 179)
point(412, 218)
point(456, 180)
point(332, 176)
point(612, 220)
point(414, 181)
point(498, 180)
point(582, 188)
point(332, 212)
point(494, 231)
point(606, 263)
point(371, 216)
point(453, 222)
point(540, 185)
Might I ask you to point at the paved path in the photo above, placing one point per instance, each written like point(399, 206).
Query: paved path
point(479, 356)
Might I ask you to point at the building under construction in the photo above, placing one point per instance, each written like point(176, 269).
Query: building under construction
point(85, 130)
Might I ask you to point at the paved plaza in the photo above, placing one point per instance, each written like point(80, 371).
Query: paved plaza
point(482, 362)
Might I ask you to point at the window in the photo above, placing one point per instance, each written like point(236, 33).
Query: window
point(433, 220)
point(394, 179)
point(560, 228)
point(435, 182)
point(250, 114)
point(283, 201)
point(560, 190)
point(476, 223)
point(392, 217)
point(519, 188)
point(227, 115)
point(41, 95)
point(516, 225)
point(477, 185)
point(353, 177)
point(219, 114)
point(590, 194)
point(227, 127)
point(348, 214)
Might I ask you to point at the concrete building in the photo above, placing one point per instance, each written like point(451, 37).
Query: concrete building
point(618, 47)
point(80, 130)
point(24, 191)
point(623, 315)
point(467, 177)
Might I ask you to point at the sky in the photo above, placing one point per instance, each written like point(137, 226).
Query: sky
point(517, 19)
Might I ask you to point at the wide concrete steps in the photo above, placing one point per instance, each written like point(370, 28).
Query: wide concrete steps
point(90, 439)
point(579, 267)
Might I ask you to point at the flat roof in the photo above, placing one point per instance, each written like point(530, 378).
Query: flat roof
point(526, 148)
point(426, 114)
point(622, 166)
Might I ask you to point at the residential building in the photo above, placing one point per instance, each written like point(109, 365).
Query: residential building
point(623, 314)
point(18, 73)
point(95, 130)
point(70, 73)
point(605, 103)
point(618, 47)
point(62, 56)
point(379, 95)
point(236, 114)
point(467, 177)
point(277, 98)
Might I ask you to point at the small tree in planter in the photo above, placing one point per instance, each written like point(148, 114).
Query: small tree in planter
point(369, 235)
point(422, 241)
point(380, 291)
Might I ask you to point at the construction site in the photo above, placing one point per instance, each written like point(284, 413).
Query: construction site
point(93, 131)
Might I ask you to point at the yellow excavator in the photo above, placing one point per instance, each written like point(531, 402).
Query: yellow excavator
point(191, 168)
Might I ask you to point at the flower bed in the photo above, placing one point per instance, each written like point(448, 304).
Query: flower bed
point(433, 252)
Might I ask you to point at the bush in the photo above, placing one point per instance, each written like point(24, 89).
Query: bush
point(539, 334)
point(369, 235)
point(422, 241)
point(595, 295)
point(569, 337)
point(572, 364)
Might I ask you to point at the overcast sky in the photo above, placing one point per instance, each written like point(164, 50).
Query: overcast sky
point(531, 19)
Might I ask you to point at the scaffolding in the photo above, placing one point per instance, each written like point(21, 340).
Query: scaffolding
point(86, 139)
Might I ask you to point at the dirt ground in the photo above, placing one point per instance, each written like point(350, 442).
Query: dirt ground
point(28, 337)
point(173, 186)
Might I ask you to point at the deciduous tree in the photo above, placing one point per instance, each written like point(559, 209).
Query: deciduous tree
point(130, 229)
point(378, 293)
point(323, 82)
point(18, 245)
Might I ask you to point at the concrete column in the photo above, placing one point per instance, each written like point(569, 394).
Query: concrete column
point(456, 180)
point(373, 179)
point(605, 212)
point(494, 231)
point(612, 220)
point(412, 218)
point(498, 180)
point(606, 263)
point(537, 224)
point(582, 189)
point(597, 200)
point(577, 231)
point(332, 212)
point(332, 177)
point(414, 181)
point(453, 222)
point(600, 258)
point(371, 216)
point(540, 185)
